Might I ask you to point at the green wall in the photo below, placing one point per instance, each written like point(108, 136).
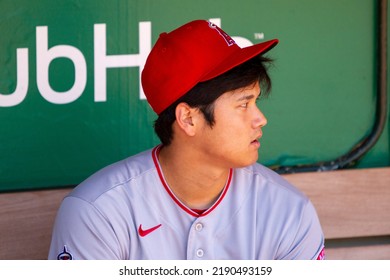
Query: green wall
point(59, 122)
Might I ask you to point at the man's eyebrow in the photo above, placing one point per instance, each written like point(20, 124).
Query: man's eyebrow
point(248, 97)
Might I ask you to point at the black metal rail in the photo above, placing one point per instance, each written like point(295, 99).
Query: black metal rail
point(360, 149)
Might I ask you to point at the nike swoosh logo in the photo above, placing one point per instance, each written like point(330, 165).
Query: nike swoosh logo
point(144, 232)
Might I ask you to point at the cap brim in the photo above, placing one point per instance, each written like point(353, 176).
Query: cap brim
point(239, 57)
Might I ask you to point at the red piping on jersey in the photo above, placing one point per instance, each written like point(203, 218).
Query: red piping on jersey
point(155, 153)
point(321, 255)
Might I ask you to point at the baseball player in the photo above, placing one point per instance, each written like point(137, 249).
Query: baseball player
point(200, 194)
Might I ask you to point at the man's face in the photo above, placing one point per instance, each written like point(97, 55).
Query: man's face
point(233, 140)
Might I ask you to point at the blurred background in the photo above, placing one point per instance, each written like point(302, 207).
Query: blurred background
point(55, 131)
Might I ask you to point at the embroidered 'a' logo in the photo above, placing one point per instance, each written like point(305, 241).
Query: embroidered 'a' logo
point(229, 41)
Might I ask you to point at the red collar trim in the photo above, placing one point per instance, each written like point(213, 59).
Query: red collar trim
point(190, 211)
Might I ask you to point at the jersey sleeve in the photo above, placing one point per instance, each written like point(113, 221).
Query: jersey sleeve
point(308, 240)
point(82, 232)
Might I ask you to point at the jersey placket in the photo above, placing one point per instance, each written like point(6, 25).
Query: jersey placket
point(199, 242)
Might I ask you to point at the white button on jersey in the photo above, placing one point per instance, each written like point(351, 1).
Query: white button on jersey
point(199, 253)
point(198, 227)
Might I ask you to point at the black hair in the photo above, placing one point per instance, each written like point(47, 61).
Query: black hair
point(204, 94)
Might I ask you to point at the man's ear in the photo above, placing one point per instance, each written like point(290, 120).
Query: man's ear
point(185, 118)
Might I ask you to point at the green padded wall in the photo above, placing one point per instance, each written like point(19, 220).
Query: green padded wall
point(71, 102)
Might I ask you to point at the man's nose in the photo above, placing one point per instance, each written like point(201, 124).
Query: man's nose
point(260, 120)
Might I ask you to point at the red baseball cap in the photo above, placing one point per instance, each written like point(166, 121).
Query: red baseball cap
point(195, 52)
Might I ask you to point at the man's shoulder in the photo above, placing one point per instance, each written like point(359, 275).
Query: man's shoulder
point(114, 176)
point(269, 180)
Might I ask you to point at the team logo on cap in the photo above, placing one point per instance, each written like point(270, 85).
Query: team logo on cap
point(229, 41)
point(65, 255)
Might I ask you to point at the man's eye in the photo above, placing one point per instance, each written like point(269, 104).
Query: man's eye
point(244, 105)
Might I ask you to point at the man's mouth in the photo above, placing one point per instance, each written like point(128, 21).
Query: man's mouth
point(256, 143)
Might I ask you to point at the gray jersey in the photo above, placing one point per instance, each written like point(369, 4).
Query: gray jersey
point(127, 211)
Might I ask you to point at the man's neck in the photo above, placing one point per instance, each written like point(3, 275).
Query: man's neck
point(196, 183)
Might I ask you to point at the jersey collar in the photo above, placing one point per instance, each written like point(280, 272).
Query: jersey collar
point(155, 153)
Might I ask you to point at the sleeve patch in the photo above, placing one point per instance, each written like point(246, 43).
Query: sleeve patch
point(65, 255)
